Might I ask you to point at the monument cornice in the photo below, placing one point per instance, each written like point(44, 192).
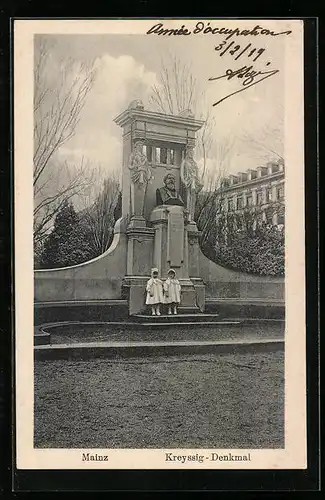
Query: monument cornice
point(140, 231)
point(162, 137)
point(157, 118)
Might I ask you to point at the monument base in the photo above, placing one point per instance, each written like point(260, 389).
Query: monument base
point(199, 288)
point(190, 298)
point(170, 242)
point(134, 291)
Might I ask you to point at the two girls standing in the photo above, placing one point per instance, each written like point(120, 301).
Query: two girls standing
point(159, 293)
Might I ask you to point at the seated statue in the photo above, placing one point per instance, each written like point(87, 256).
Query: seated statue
point(168, 195)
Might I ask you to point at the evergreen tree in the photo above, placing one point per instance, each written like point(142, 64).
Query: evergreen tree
point(68, 243)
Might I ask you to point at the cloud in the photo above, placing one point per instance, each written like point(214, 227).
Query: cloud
point(119, 80)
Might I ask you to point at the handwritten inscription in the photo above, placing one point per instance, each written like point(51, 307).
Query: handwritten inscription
point(249, 51)
point(247, 75)
point(208, 29)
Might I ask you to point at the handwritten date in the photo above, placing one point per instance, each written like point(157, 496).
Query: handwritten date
point(252, 51)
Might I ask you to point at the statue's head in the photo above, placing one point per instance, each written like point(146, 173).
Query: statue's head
point(170, 181)
point(138, 146)
point(189, 153)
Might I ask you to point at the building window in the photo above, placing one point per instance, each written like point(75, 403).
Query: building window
point(172, 157)
point(269, 194)
point(240, 203)
point(280, 192)
point(259, 197)
point(249, 200)
point(230, 204)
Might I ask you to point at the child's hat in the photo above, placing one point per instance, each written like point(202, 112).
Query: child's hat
point(172, 271)
point(154, 270)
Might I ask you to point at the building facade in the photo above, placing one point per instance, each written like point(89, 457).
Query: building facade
point(261, 188)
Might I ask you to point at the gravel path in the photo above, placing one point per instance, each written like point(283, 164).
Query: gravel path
point(210, 401)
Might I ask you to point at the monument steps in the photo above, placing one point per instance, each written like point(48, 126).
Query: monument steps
point(178, 318)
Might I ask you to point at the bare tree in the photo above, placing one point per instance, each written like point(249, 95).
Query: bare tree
point(178, 90)
point(98, 215)
point(69, 183)
point(57, 109)
point(210, 201)
point(268, 144)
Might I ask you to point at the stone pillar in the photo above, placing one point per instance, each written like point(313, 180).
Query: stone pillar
point(159, 220)
point(138, 268)
point(170, 245)
point(194, 264)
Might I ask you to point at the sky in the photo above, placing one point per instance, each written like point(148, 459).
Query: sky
point(127, 66)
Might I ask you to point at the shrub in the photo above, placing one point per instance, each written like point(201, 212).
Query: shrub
point(242, 243)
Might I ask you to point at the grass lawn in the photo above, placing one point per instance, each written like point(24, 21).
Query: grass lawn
point(210, 401)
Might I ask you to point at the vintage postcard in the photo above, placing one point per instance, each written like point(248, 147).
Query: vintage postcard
point(159, 244)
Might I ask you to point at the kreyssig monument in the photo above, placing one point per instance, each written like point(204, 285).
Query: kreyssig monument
point(160, 184)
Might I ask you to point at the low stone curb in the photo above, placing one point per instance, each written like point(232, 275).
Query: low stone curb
point(111, 350)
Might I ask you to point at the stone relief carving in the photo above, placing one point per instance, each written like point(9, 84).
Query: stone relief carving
point(191, 180)
point(136, 104)
point(138, 165)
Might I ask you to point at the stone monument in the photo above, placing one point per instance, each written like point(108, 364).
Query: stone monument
point(159, 185)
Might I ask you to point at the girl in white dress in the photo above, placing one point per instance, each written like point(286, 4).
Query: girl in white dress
point(172, 290)
point(154, 290)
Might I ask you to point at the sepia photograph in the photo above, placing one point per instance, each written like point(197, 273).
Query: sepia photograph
point(160, 233)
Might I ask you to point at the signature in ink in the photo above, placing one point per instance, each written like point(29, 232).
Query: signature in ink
point(248, 76)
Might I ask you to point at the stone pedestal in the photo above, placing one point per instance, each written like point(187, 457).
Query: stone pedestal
point(176, 246)
point(138, 265)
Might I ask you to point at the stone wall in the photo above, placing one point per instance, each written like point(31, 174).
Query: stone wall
point(100, 278)
point(225, 283)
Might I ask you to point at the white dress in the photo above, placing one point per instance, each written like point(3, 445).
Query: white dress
point(172, 290)
point(154, 291)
